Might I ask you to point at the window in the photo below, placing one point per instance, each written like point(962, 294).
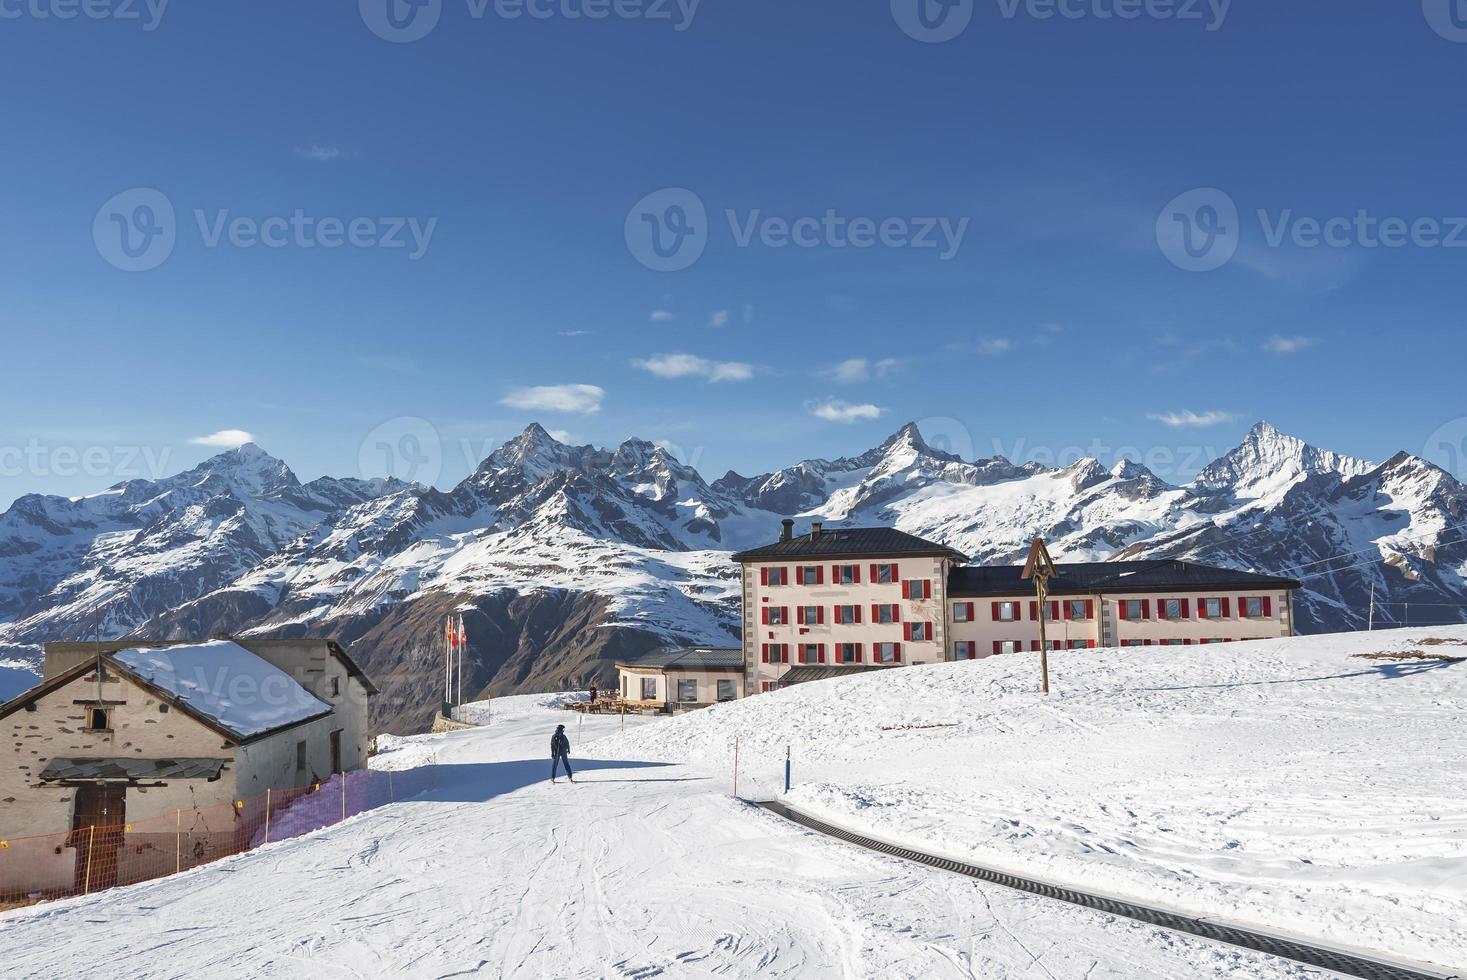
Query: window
point(776, 653)
point(1132, 643)
point(1135, 609)
point(1174, 609)
point(300, 756)
point(847, 614)
point(776, 616)
point(1081, 644)
point(623, 686)
point(1050, 612)
point(1256, 608)
point(766, 686)
point(848, 653)
point(649, 689)
point(812, 653)
point(963, 612)
point(919, 632)
point(1078, 608)
point(99, 720)
point(965, 650)
point(687, 691)
point(1172, 643)
point(885, 614)
point(811, 615)
point(1006, 612)
point(774, 576)
point(336, 687)
point(1212, 609)
point(727, 691)
point(883, 574)
point(810, 575)
point(1007, 646)
point(847, 574)
point(917, 588)
point(887, 653)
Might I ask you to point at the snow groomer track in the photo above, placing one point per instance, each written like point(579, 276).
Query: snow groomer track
point(1291, 949)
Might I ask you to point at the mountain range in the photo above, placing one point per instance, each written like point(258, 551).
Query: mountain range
point(563, 559)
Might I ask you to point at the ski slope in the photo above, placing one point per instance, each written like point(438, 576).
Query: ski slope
point(1292, 785)
point(638, 870)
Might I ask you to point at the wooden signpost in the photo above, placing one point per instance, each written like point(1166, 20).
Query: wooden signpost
point(1040, 567)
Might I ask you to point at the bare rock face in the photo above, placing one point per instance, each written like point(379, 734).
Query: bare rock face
point(564, 559)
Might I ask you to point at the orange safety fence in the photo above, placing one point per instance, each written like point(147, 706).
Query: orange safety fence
point(90, 859)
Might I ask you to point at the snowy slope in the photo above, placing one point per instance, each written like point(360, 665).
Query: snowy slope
point(1293, 785)
point(639, 870)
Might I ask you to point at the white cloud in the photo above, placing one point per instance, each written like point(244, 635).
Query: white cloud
point(718, 319)
point(833, 410)
point(663, 316)
point(575, 333)
point(1287, 345)
point(693, 366)
point(581, 399)
point(990, 346)
point(319, 153)
point(224, 439)
point(560, 435)
point(1193, 420)
point(859, 369)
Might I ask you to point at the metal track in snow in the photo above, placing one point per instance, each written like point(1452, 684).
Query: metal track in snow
point(1348, 964)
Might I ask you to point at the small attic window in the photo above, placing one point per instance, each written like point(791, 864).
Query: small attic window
point(99, 720)
point(336, 687)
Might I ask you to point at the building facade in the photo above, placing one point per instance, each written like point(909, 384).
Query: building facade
point(857, 598)
point(682, 679)
point(122, 734)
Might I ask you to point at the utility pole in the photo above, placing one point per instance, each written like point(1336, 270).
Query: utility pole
point(1040, 567)
point(1370, 626)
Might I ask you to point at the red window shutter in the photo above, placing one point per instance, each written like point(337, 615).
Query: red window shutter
point(996, 612)
point(784, 652)
point(875, 613)
point(1090, 644)
point(800, 615)
point(857, 610)
point(1065, 610)
point(834, 574)
point(1033, 644)
point(1123, 610)
point(1145, 608)
point(822, 653)
point(906, 631)
point(898, 652)
point(763, 576)
point(1161, 609)
point(819, 574)
point(1201, 608)
point(1034, 610)
point(856, 573)
point(784, 615)
point(906, 588)
point(1089, 608)
point(1186, 608)
point(819, 615)
point(896, 614)
point(997, 647)
point(765, 611)
point(873, 575)
point(858, 653)
point(896, 573)
point(1227, 608)
point(972, 611)
point(1146, 643)
point(766, 653)
point(1054, 611)
point(1186, 643)
point(1267, 607)
point(927, 588)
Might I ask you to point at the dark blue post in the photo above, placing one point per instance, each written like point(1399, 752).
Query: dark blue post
point(786, 768)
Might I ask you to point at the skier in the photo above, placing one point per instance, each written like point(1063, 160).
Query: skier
point(560, 754)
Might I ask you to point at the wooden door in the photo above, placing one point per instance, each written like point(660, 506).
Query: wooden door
point(97, 827)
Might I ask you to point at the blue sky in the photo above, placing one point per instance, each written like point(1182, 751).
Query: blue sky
point(523, 150)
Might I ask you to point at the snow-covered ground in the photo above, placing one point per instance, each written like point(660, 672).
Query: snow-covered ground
point(640, 869)
point(1292, 785)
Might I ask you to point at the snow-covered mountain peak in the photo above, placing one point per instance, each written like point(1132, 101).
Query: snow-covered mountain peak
point(248, 471)
point(1269, 461)
point(907, 442)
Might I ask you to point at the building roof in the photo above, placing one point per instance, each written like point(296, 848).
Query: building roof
point(1089, 578)
point(851, 542)
point(804, 675)
point(221, 681)
point(692, 658)
point(91, 770)
point(220, 684)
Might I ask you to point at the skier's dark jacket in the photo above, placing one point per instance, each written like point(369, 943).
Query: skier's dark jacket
point(559, 744)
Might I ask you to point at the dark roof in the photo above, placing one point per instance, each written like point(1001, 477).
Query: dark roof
point(803, 675)
point(133, 769)
point(692, 658)
point(851, 542)
point(1088, 578)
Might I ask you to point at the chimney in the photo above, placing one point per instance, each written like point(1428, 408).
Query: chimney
point(789, 530)
point(815, 528)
